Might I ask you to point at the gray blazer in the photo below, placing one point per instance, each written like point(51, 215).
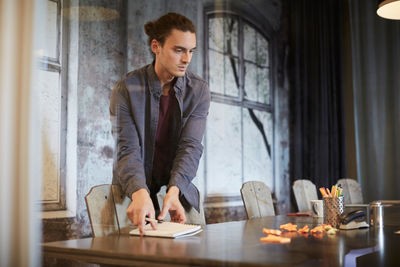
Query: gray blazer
point(134, 110)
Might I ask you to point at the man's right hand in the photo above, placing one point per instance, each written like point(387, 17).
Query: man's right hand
point(140, 207)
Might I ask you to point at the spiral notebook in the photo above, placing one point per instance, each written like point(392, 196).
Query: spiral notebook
point(169, 229)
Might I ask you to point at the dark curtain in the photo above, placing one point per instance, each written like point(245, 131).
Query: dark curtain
point(375, 44)
point(316, 85)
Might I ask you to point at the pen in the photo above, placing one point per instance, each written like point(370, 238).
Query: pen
point(323, 192)
point(153, 220)
point(329, 192)
point(333, 191)
point(340, 190)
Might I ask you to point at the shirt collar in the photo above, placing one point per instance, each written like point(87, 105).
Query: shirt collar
point(155, 86)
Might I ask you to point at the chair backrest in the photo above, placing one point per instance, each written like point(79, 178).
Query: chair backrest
point(304, 191)
point(121, 202)
point(101, 210)
point(257, 199)
point(351, 191)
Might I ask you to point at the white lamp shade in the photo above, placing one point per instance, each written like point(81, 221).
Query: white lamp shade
point(389, 9)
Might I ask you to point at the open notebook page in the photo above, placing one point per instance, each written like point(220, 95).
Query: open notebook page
point(169, 229)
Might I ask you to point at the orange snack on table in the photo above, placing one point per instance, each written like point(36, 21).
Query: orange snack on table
point(305, 229)
point(275, 239)
point(317, 229)
point(271, 231)
point(288, 227)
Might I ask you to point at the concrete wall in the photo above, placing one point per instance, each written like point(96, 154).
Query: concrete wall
point(107, 49)
point(101, 61)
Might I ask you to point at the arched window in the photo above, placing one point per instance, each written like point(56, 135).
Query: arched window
point(239, 135)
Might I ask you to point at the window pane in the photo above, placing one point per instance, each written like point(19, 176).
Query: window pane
point(216, 34)
point(216, 70)
point(224, 149)
point(263, 85)
point(257, 74)
point(250, 81)
point(249, 43)
point(231, 35)
point(257, 162)
point(262, 51)
point(51, 30)
point(50, 103)
point(231, 87)
point(223, 35)
point(222, 77)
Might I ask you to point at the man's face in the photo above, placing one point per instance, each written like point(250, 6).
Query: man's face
point(175, 55)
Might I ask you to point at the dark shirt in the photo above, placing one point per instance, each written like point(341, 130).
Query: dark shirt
point(164, 153)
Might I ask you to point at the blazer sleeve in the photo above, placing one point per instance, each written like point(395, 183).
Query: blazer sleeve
point(190, 149)
point(128, 166)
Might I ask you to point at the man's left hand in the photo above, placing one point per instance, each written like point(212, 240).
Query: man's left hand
point(173, 205)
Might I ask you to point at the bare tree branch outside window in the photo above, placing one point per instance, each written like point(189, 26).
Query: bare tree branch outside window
point(257, 122)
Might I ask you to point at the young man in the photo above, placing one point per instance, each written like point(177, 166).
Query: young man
point(158, 116)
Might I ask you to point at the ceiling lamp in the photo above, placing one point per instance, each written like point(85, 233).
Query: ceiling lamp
point(389, 9)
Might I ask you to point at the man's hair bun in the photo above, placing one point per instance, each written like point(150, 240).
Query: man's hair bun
point(161, 28)
point(149, 28)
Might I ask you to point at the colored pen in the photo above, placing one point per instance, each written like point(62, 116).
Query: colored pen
point(329, 192)
point(323, 192)
point(333, 191)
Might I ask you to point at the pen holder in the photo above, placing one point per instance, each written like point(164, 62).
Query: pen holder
point(333, 208)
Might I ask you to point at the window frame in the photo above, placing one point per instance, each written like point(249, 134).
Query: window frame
point(59, 64)
point(267, 32)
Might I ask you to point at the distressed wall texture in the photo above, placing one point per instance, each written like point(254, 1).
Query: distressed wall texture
point(107, 49)
point(101, 62)
point(100, 66)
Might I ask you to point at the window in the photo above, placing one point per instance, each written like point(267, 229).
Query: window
point(240, 123)
point(52, 110)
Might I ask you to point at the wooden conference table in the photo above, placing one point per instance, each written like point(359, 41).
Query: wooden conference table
point(237, 244)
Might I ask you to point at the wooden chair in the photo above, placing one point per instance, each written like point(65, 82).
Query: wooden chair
point(351, 191)
point(121, 203)
point(257, 199)
point(106, 205)
point(304, 191)
point(101, 209)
